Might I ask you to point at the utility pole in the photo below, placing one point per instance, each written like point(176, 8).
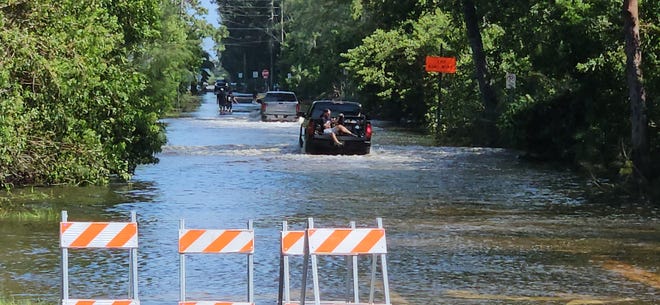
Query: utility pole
point(272, 26)
point(245, 77)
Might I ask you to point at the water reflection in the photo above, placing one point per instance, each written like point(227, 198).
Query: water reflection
point(465, 225)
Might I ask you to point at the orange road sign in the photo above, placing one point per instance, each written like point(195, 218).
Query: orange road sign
point(441, 64)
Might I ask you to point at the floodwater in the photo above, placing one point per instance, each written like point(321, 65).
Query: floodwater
point(464, 225)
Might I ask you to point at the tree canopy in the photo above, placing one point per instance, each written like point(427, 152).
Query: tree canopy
point(570, 100)
point(83, 85)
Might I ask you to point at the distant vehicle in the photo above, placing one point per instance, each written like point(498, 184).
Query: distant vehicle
point(221, 83)
point(279, 106)
point(312, 140)
point(245, 103)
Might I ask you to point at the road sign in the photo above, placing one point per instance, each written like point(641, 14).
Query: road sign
point(265, 73)
point(510, 81)
point(441, 64)
point(255, 74)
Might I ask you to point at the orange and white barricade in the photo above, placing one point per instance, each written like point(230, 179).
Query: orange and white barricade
point(291, 244)
point(100, 235)
point(205, 241)
point(350, 243)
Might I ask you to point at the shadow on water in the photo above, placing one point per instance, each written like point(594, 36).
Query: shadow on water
point(464, 225)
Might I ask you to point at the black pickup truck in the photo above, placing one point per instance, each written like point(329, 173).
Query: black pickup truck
point(312, 140)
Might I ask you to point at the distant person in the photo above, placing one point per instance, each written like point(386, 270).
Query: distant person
point(255, 98)
point(221, 98)
point(231, 100)
point(332, 127)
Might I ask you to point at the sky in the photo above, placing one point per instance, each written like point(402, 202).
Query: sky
point(212, 18)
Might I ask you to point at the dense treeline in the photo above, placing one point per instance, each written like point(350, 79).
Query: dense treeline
point(571, 101)
point(83, 84)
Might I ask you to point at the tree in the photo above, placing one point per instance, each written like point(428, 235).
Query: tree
point(482, 74)
point(638, 108)
point(317, 34)
point(83, 85)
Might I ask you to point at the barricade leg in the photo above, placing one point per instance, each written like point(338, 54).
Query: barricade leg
point(214, 241)
point(383, 261)
point(133, 278)
point(250, 271)
point(100, 235)
point(65, 265)
point(349, 243)
point(182, 268)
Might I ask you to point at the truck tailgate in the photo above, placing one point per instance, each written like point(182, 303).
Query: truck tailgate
point(281, 108)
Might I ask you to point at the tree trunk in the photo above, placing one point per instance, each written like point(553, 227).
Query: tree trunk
point(481, 69)
point(638, 113)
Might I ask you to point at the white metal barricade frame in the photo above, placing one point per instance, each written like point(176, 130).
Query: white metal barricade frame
point(212, 241)
point(349, 242)
point(103, 235)
point(291, 244)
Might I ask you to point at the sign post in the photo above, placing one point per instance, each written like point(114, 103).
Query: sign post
point(510, 81)
point(441, 65)
point(265, 73)
point(511, 86)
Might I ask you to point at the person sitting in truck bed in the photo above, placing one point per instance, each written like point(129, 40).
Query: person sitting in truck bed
point(331, 127)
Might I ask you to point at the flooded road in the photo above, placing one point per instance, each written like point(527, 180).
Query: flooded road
point(464, 225)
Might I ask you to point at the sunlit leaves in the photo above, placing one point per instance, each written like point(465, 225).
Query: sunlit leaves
point(80, 95)
point(317, 33)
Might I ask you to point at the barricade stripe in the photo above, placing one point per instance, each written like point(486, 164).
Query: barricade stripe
point(347, 241)
point(222, 241)
point(249, 247)
point(241, 243)
point(188, 238)
point(88, 235)
point(64, 226)
point(126, 234)
point(368, 242)
point(99, 302)
point(213, 303)
point(292, 242)
point(216, 241)
point(332, 241)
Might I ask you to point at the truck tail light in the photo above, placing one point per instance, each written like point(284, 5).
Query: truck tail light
point(368, 131)
point(297, 107)
point(263, 107)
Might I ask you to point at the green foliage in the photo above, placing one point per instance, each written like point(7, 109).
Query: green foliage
point(573, 104)
point(317, 34)
point(389, 70)
point(571, 98)
point(82, 86)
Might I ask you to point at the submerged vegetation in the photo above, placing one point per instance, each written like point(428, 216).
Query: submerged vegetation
point(6, 301)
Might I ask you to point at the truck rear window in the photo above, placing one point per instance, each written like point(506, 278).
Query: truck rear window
point(346, 109)
point(286, 97)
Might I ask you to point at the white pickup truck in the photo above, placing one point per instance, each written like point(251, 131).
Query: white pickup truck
point(279, 106)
